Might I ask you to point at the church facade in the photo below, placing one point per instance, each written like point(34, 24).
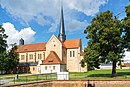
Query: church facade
point(56, 55)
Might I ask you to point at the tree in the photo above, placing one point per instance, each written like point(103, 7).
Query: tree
point(3, 57)
point(105, 37)
point(3, 45)
point(12, 60)
point(8, 59)
point(91, 58)
point(126, 22)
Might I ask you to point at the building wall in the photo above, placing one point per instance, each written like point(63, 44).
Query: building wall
point(20, 59)
point(50, 68)
point(33, 69)
point(72, 62)
point(38, 69)
point(64, 54)
point(42, 57)
point(35, 56)
point(54, 45)
point(33, 59)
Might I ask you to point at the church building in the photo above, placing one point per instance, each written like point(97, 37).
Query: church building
point(56, 55)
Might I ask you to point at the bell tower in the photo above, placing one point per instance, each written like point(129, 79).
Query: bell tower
point(21, 42)
point(62, 35)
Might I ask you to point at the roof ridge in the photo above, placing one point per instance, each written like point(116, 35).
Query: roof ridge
point(36, 43)
point(32, 47)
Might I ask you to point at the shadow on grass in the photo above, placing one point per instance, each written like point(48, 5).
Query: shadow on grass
point(109, 75)
point(123, 73)
point(99, 75)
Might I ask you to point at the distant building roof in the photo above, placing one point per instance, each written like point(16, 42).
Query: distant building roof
point(52, 58)
point(32, 47)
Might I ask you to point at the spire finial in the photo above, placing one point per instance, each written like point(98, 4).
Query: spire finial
point(62, 35)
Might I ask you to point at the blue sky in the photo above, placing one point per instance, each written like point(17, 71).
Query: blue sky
point(36, 20)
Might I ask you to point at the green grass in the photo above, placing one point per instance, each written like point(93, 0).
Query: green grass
point(37, 77)
point(122, 74)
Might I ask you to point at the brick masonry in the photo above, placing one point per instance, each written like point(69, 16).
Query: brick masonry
point(77, 83)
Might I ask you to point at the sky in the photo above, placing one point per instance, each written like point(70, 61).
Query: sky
point(37, 20)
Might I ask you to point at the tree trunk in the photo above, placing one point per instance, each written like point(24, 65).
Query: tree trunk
point(113, 68)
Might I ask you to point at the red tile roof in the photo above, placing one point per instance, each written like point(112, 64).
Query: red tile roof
point(75, 43)
point(32, 47)
point(52, 58)
point(72, 43)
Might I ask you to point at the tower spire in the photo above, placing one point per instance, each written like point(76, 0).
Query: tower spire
point(62, 35)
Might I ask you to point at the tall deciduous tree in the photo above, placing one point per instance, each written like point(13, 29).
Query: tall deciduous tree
point(104, 34)
point(126, 23)
point(12, 60)
point(3, 45)
point(8, 59)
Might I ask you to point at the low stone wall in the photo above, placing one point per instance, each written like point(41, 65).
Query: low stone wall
point(77, 83)
point(91, 83)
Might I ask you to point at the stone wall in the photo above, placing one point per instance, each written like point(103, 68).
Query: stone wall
point(78, 83)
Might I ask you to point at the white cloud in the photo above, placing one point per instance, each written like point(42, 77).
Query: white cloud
point(127, 57)
point(88, 7)
point(28, 10)
point(14, 35)
point(53, 28)
point(38, 10)
point(75, 25)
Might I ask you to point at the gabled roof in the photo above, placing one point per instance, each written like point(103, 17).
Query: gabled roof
point(54, 36)
point(32, 47)
point(75, 43)
point(69, 44)
point(52, 58)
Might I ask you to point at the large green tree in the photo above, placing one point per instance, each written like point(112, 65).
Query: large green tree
point(3, 43)
point(126, 22)
point(105, 37)
point(11, 60)
point(3, 46)
point(8, 59)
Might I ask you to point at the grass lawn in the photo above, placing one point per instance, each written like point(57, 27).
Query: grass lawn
point(37, 77)
point(122, 74)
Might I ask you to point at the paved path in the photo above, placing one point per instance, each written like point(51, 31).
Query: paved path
point(9, 79)
point(4, 81)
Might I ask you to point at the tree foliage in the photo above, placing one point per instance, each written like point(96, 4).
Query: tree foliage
point(3, 45)
point(12, 60)
point(105, 37)
point(126, 23)
point(8, 59)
